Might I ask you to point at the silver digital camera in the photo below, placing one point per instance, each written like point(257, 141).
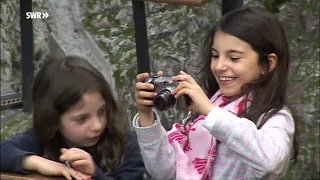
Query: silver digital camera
point(164, 99)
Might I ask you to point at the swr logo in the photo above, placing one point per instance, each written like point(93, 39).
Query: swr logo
point(37, 15)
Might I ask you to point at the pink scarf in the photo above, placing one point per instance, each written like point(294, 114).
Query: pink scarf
point(195, 148)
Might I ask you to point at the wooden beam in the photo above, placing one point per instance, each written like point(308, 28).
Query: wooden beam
point(180, 2)
point(33, 176)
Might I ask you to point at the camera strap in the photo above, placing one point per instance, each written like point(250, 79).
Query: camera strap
point(189, 115)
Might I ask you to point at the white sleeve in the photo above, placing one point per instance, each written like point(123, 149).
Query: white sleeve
point(158, 154)
point(266, 149)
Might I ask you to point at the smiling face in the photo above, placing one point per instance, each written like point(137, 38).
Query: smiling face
point(83, 124)
point(234, 63)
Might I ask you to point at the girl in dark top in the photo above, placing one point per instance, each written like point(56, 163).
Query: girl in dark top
point(76, 122)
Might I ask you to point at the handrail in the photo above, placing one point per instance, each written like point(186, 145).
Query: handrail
point(33, 176)
point(10, 99)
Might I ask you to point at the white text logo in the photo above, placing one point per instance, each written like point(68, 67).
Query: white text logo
point(37, 15)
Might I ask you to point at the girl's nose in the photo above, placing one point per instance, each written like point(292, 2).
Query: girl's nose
point(97, 124)
point(220, 65)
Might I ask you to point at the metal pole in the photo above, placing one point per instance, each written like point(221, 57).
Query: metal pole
point(229, 5)
point(141, 37)
point(27, 66)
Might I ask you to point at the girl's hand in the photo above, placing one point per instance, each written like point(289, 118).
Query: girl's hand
point(79, 159)
point(52, 168)
point(189, 87)
point(144, 93)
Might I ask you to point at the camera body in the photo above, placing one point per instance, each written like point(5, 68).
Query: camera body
point(164, 99)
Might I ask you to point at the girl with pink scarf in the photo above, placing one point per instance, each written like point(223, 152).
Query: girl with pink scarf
point(244, 130)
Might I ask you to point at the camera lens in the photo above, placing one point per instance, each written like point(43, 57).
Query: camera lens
point(164, 100)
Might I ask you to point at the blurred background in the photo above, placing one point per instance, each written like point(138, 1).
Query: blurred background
point(103, 31)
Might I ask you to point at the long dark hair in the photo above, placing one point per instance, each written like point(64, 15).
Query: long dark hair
point(263, 31)
point(59, 85)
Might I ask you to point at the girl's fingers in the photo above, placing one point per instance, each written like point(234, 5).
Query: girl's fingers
point(144, 102)
point(80, 162)
point(184, 77)
point(144, 90)
point(73, 154)
point(78, 175)
point(182, 85)
point(144, 86)
point(66, 174)
point(141, 77)
point(75, 150)
point(146, 94)
point(182, 72)
point(69, 151)
point(160, 73)
point(63, 150)
point(183, 92)
point(75, 157)
point(83, 176)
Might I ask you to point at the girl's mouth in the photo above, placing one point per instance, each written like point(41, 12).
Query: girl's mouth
point(95, 138)
point(226, 80)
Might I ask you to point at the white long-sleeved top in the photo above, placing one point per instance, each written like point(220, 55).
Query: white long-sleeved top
point(245, 152)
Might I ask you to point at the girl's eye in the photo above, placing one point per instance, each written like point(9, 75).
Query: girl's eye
point(81, 119)
point(102, 111)
point(214, 56)
point(234, 58)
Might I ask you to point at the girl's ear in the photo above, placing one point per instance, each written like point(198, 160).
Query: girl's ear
point(273, 59)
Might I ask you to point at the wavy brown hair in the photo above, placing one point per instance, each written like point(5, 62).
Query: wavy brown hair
point(263, 31)
point(60, 85)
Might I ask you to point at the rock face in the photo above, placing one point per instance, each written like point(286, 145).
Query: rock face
point(103, 32)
